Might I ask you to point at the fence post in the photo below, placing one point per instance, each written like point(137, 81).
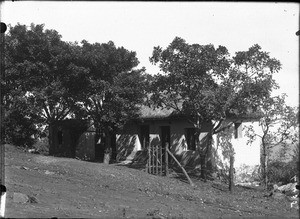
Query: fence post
point(149, 157)
point(161, 160)
point(231, 183)
point(166, 159)
point(156, 158)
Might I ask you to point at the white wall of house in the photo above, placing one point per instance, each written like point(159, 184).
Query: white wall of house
point(178, 143)
point(246, 156)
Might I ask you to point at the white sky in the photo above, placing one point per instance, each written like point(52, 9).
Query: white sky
point(139, 26)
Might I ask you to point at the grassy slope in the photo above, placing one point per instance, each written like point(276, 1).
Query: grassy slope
point(84, 189)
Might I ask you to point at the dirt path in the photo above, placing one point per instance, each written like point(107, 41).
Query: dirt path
point(62, 187)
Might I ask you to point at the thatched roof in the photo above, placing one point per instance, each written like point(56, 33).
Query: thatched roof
point(147, 112)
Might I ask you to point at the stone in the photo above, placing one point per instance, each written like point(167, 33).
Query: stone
point(289, 189)
point(47, 172)
point(295, 204)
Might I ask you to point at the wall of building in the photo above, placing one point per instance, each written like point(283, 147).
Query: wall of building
point(129, 143)
point(246, 156)
point(68, 139)
point(85, 147)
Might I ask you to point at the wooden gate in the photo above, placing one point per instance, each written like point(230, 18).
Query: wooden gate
point(157, 162)
point(157, 165)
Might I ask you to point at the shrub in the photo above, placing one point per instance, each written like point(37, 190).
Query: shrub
point(18, 129)
point(42, 146)
point(279, 171)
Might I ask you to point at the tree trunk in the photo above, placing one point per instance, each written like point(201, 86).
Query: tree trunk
point(204, 149)
point(264, 166)
point(231, 173)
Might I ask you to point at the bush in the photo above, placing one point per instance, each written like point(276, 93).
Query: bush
point(18, 130)
point(42, 146)
point(279, 171)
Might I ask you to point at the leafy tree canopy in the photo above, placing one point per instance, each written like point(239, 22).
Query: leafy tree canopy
point(208, 84)
point(54, 79)
point(115, 87)
point(41, 67)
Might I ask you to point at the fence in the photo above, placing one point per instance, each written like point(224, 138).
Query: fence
point(157, 162)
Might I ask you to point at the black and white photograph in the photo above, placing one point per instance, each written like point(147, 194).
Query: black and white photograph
point(141, 109)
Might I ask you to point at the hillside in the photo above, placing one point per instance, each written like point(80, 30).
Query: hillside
point(62, 187)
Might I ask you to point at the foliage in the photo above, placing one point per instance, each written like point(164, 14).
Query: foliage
point(278, 123)
point(57, 79)
point(18, 125)
point(114, 89)
point(207, 85)
point(224, 141)
point(41, 67)
point(279, 171)
point(248, 173)
point(41, 146)
point(18, 129)
point(279, 128)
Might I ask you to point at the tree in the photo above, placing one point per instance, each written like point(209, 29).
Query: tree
point(279, 127)
point(56, 79)
point(114, 90)
point(40, 70)
point(207, 85)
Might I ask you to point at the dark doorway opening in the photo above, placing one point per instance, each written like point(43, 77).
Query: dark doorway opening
point(100, 139)
point(113, 147)
point(144, 136)
point(165, 136)
point(165, 140)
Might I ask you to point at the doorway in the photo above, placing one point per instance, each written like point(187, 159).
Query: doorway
point(165, 136)
point(144, 136)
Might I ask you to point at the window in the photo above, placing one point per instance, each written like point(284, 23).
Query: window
point(238, 130)
point(191, 138)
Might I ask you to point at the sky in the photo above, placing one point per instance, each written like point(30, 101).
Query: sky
point(139, 26)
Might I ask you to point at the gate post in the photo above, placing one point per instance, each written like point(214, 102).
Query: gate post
point(149, 160)
point(161, 160)
point(166, 159)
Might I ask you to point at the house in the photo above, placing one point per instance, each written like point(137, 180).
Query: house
point(78, 139)
point(163, 127)
point(73, 138)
